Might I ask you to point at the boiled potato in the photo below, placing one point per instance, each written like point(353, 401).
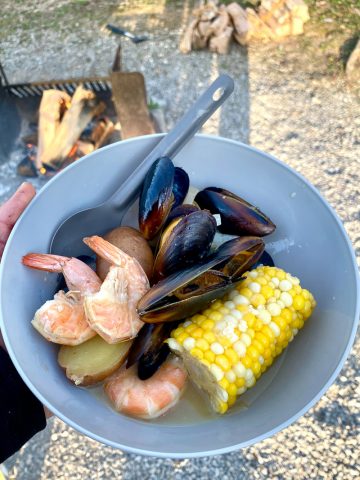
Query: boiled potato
point(92, 361)
point(130, 241)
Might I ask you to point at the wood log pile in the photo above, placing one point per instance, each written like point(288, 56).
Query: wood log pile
point(215, 25)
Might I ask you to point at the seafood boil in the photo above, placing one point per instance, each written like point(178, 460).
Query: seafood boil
point(190, 296)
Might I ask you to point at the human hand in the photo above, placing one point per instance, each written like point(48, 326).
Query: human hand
point(10, 211)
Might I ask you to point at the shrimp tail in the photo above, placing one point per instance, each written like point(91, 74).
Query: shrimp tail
point(47, 262)
point(107, 250)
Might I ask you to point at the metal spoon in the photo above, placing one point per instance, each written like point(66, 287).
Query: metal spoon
point(67, 239)
point(125, 33)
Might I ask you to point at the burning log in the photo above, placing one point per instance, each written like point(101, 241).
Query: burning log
point(83, 108)
point(52, 107)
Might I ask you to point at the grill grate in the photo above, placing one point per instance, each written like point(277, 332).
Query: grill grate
point(25, 90)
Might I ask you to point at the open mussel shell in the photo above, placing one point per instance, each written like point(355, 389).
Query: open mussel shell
point(265, 259)
point(156, 197)
point(186, 292)
point(148, 349)
point(187, 240)
point(180, 186)
point(238, 217)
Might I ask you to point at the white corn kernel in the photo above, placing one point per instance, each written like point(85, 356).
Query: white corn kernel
point(243, 326)
point(233, 294)
point(216, 348)
point(230, 375)
point(275, 328)
point(241, 300)
point(255, 287)
point(217, 372)
point(241, 390)
point(236, 314)
point(285, 285)
point(277, 293)
point(239, 370)
point(230, 320)
point(287, 299)
point(250, 382)
point(189, 343)
point(274, 309)
point(187, 323)
point(253, 274)
point(248, 375)
point(173, 344)
point(264, 316)
point(280, 302)
point(223, 394)
point(246, 339)
point(261, 359)
point(275, 281)
point(229, 305)
point(240, 348)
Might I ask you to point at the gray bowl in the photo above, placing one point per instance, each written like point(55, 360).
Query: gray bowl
point(309, 242)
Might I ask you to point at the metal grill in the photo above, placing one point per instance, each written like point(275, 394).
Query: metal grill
point(25, 90)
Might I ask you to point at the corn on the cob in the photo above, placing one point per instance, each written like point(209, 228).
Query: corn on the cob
point(226, 347)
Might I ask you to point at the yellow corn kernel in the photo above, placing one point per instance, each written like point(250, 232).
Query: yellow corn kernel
point(183, 336)
point(251, 332)
point(231, 389)
point(247, 361)
point(196, 352)
point(242, 308)
point(222, 362)
point(198, 333)
point(209, 356)
point(209, 337)
point(217, 304)
point(263, 339)
point(267, 291)
point(258, 345)
point(240, 382)
point(246, 292)
point(252, 352)
point(256, 368)
point(258, 325)
point(231, 355)
point(261, 280)
point(198, 318)
point(175, 333)
point(215, 316)
point(231, 400)
point(224, 341)
point(190, 328)
point(249, 319)
point(268, 332)
point(222, 407)
point(257, 299)
point(202, 344)
point(286, 314)
point(224, 383)
point(280, 322)
point(205, 362)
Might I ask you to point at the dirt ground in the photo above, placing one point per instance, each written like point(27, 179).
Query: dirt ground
point(291, 100)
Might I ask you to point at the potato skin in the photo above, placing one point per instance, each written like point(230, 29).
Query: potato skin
point(130, 241)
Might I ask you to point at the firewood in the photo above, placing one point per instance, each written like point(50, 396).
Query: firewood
point(240, 22)
point(222, 21)
point(52, 106)
point(204, 29)
point(185, 44)
point(83, 108)
point(221, 43)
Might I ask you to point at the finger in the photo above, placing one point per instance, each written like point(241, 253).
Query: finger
point(11, 210)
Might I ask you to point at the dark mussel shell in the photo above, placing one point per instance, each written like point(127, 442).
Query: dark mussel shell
point(148, 349)
point(186, 292)
point(181, 211)
point(180, 186)
point(265, 259)
point(187, 240)
point(156, 197)
point(238, 217)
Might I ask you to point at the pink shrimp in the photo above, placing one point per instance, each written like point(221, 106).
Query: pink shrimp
point(63, 320)
point(147, 398)
point(112, 311)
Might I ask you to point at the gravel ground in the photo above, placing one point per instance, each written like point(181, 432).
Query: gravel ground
point(285, 104)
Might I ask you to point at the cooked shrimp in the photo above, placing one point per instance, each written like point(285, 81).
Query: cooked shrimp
point(63, 320)
point(147, 398)
point(112, 311)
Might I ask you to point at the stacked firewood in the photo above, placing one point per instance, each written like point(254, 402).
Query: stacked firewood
point(214, 26)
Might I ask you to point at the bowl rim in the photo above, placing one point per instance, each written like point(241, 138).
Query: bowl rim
point(218, 451)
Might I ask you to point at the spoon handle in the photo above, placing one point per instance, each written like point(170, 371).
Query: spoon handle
point(175, 140)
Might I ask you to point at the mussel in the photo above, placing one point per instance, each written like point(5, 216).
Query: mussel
point(185, 241)
point(184, 293)
point(265, 259)
point(156, 197)
point(238, 217)
point(148, 349)
point(180, 211)
point(180, 186)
